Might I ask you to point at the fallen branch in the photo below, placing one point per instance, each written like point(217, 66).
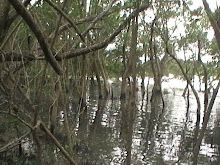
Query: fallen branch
point(13, 56)
point(20, 119)
point(57, 143)
point(13, 143)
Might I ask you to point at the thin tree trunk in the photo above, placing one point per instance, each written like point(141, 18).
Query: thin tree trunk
point(54, 107)
point(3, 19)
point(155, 66)
point(134, 54)
point(126, 67)
point(104, 75)
point(82, 100)
point(204, 125)
point(97, 76)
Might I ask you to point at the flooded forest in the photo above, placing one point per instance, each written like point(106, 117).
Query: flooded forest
point(86, 82)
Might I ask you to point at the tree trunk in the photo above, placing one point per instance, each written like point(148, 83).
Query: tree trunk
point(97, 77)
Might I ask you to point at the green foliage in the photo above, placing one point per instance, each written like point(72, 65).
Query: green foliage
point(38, 79)
point(213, 49)
point(113, 61)
point(196, 27)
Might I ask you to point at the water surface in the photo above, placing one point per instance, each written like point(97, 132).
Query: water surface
point(114, 131)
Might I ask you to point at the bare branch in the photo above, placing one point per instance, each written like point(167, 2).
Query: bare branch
point(108, 40)
point(56, 142)
point(57, 26)
point(213, 22)
point(3, 18)
point(20, 119)
point(78, 22)
point(98, 18)
point(37, 32)
point(13, 143)
point(67, 18)
point(12, 56)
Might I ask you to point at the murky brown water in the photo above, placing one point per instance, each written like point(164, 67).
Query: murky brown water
point(131, 131)
point(117, 132)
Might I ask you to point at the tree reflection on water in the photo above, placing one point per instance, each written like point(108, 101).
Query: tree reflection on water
point(135, 131)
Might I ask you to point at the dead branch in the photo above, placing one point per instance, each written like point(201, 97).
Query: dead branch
point(20, 119)
point(57, 143)
point(12, 56)
point(13, 143)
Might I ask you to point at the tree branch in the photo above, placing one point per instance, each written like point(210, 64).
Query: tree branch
point(213, 22)
point(3, 18)
point(12, 56)
point(13, 143)
point(67, 18)
point(187, 79)
point(108, 40)
point(92, 48)
point(78, 22)
point(98, 18)
point(205, 122)
point(37, 32)
point(56, 142)
point(9, 19)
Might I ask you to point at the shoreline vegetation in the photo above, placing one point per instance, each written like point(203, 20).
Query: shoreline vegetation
point(81, 80)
